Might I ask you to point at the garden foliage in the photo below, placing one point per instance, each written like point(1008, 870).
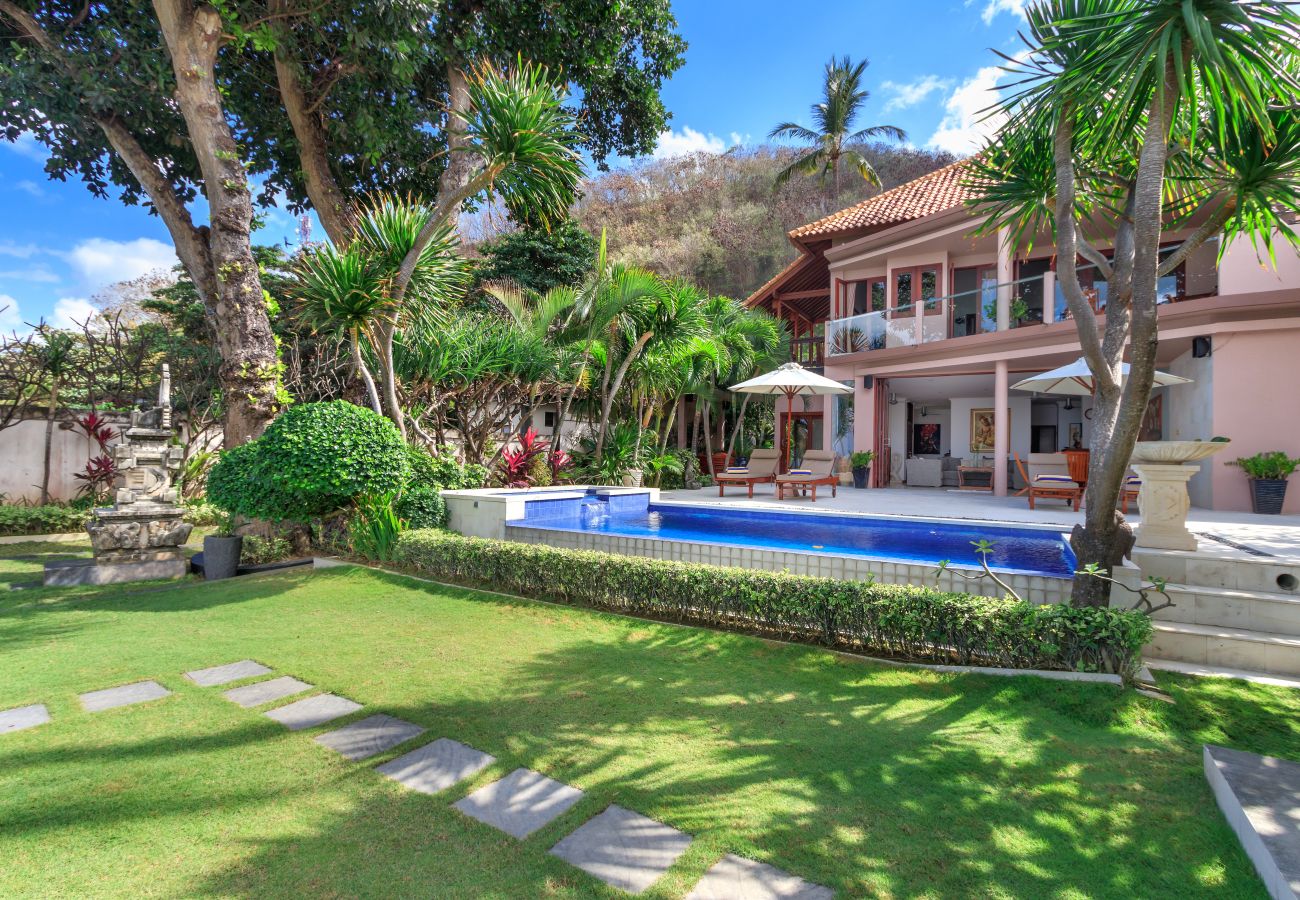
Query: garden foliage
point(905, 622)
point(313, 460)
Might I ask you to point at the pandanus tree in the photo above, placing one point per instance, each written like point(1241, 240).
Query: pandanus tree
point(831, 140)
point(1128, 117)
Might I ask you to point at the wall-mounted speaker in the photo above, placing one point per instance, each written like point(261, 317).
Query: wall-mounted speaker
point(868, 381)
point(1201, 347)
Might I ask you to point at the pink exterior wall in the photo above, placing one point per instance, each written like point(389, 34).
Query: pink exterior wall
point(1257, 405)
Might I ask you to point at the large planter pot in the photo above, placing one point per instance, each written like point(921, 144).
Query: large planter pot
point(861, 474)
point(221, 556)
point(1266, 495)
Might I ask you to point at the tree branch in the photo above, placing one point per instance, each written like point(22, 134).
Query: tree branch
point(1211, 227)
point(1094, 256)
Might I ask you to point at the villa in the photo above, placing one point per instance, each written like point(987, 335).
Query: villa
point(931, 325)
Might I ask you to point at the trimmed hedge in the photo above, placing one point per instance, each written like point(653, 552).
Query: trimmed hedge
point(906, 622)
point(15, 520)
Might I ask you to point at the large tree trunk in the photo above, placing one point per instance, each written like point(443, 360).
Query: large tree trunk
point(611, 391)
point(249, 362)
point(740, 424)
point(327, 198)
point(460, 165)
point(49, 439)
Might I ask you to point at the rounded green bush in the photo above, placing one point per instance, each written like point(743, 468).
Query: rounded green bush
point(315, 459)
point(421, 506)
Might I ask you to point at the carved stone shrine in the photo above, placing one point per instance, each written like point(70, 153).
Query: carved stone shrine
point(141, 535)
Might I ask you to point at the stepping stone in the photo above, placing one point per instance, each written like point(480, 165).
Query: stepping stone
point(313, 711)
point(1260, 798)
point(437, 766)
point(624, 849)
point(371, 736)
point(23, 717)
point(125, 695)
point(736, 878)
point(234, 671)
point(260, 692)
point(520, 803)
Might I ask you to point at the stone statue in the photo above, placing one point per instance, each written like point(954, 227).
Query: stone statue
point(141, 534)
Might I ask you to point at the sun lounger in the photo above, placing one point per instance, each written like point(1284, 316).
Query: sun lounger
point(818, 465)
point(1056, 487)
point(760, 470)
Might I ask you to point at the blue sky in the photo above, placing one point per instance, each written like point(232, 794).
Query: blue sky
point(750, 64)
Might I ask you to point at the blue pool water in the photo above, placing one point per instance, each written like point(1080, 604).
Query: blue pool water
point(1020, 550)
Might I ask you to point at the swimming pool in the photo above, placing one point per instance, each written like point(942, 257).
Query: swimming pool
point(916, 541)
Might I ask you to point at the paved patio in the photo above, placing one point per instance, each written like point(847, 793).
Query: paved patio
point(1275, 535)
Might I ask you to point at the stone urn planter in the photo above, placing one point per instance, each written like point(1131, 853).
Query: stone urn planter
point(1165, 468)
point(221, 556)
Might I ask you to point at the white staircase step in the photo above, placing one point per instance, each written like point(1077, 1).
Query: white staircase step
point(1266, 611)
point(1237, 648)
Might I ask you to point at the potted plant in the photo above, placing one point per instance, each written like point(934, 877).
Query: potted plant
point(1268, 473)
point(221, 551)
point(1017, 311)
point(860, 462)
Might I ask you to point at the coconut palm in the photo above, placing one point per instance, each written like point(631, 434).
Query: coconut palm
point(831, 139)
point(1148, 115)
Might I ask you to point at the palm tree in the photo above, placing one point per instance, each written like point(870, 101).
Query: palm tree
point(843, 97)
point(1153, 115)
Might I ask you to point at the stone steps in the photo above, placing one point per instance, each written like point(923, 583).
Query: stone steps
point(1266, 611)
point(1236, 648)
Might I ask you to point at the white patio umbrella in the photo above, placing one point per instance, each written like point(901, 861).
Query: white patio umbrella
point(1077, 380)
point(790, 379)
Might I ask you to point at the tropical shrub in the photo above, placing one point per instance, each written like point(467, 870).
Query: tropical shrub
point(48, 519)
point(516, 468)
point(257, 550)
point(313, 460)
point(443, 471)
point(1271, 466)
point(907, 622)
point(375, 527)
point(421, 506)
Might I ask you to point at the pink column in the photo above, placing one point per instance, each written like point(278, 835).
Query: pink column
point(1001, 431)
point(864, 416)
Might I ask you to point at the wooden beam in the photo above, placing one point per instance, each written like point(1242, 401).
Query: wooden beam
point(804, 295)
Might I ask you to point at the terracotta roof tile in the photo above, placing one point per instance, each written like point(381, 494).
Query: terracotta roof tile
point(931, 193)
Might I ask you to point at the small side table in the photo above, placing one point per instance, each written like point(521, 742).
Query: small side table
point(975, 478)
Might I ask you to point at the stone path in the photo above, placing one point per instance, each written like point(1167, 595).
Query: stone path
point(23, 717)
point(235, 671)
point(437, 766)
point(370, 736)
point(736, 878)
point(125, 695)
point(1260, 798)
point(520, 803)
point(312, 711)
point(623, 848)
point(259, 692)
point(620, 847)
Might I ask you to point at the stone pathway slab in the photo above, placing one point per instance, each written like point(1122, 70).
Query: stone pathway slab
point(1260, 798)
point(520, 803)
point(737, 878)
point(623, 848)
point(260, 692)
point(312, 711)
point(23, 717)
point(245, 668)
point(369, 737)
point(437, 766)
point(124, 695)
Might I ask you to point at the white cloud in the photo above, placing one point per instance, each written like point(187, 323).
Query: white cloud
point(71, 312)
point(30, 187)
point(35, 273)
point(27, 145)
point(21, 251)
point(11, 318)
point(101, 261)
point(966, 124)
point(993, 7)
point(902, 96)
point(688, 141)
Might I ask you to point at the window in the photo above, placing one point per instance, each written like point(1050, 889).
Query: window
point(858, 297)
point(974, 300)
point(918, 284)
point(1169, 288)
point(548, 420)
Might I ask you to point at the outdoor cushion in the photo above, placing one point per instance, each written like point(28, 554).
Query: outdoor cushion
point(1053, 479)
point(800, 471)
point(1133, 481)
point(737, 470)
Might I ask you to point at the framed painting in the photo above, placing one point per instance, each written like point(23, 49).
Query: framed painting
point(982, 430)
point(925, 438)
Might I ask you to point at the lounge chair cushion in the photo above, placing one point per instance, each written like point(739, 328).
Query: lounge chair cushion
point(800, 472)
point(737, 470)
point(1053, 479)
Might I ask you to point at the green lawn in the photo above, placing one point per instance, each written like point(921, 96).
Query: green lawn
point(874, 780)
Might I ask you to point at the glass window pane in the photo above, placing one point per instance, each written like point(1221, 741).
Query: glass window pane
point(903, 289)
point(879, 296)
point(859, 289)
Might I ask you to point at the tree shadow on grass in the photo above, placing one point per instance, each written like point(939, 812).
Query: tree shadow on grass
point(871, 781)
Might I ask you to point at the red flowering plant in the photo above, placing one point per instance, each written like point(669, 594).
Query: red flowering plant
point(561, 463)
point(516, 464)
point(101, 470)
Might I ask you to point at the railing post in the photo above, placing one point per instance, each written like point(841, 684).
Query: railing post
point(1006, 273)
point(1049, 297)
point(918, 327)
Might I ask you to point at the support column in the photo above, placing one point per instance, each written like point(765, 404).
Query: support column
point(1001, 429)
point(864, 416)
point(1006, 274)
point(1049, 297)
